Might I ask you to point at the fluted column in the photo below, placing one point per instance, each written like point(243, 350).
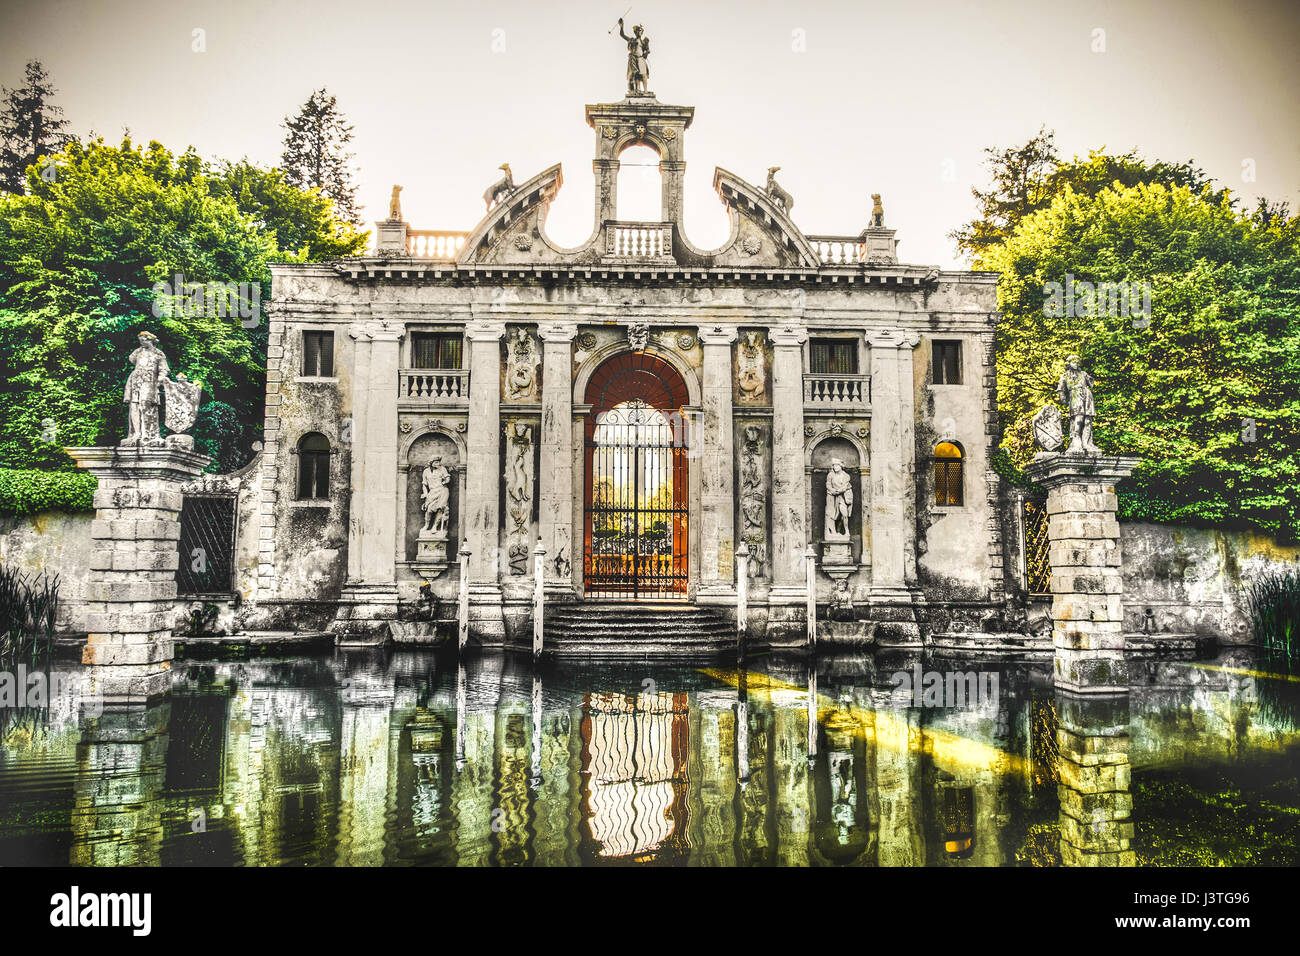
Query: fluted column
point(717, 484)
point(483, 479)
point(789, 534)
point(556, 476)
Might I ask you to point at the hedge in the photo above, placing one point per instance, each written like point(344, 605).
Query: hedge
point(26, 491)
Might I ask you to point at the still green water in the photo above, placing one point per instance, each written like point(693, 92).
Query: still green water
point(410, 758)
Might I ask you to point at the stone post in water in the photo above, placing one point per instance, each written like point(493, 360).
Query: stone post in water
point(1083, 531)
point(131, 589)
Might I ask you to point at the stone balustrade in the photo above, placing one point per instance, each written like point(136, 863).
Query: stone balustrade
point(639, 240)
point(433, 386)
point(824, 390)
point(434, 243)
point(838, 250)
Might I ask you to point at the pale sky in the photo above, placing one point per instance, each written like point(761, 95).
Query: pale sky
point(883, 96)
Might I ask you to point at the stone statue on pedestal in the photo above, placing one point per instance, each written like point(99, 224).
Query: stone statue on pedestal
point(148, 378)
point(877, 212)
point(436, 497)
point(839, 501)
point(1075, 392)
point(638, 59)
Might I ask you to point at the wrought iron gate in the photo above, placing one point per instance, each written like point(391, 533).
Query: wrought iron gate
point(207, 546)
point(636, 505)
point(1038, 566)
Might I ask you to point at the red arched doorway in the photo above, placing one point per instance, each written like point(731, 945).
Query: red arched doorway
point(636, 493)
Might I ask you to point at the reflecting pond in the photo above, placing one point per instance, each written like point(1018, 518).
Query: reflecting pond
point(403, 758)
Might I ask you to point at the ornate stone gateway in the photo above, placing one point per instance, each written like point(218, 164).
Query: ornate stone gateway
point(636, 482)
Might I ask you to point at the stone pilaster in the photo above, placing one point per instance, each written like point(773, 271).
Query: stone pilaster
point(789, 534)
point(556, 478)
point(1087, 585)
point(606, 176)
point(717, 472)
point(371, 588)
point(893, 475)
point(131, 586)
point(483, 480)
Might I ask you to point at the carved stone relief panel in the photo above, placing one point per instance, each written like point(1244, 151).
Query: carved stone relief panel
point(519, 494)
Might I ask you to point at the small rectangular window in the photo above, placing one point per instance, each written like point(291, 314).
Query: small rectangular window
point(318, 354)
point(435, 350)
point(833, 357)
point(947, 363)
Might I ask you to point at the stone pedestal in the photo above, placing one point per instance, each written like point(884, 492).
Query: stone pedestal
point(390, 237)
point(878, 245)
point(1087, 585)
point(131, 586)
point(431, 549)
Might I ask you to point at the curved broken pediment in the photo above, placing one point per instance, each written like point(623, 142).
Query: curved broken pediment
point(762, 234)
point(516, 217)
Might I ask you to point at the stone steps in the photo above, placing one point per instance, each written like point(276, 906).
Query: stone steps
point(626, 630)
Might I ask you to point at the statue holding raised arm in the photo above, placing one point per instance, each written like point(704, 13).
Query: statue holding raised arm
point(638, 58)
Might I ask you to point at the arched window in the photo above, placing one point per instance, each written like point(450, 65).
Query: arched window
point(947, 473)
point(313, 466)
point(640, 186)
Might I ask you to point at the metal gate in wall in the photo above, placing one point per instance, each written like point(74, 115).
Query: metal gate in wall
point(636, 505)
point(207, 546)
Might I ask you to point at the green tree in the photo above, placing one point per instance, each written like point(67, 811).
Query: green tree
point(315, 153)
point(1206, 388)
point(80, 257)
point(1028, 178)
point(31, 127)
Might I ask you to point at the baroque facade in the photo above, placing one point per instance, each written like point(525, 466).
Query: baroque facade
point(636, 407)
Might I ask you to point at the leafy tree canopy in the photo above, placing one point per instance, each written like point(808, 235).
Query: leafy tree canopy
point(80, 254)
point(1206, 386)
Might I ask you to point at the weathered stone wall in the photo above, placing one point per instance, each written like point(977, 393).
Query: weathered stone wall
point(53, 542)
point(1193, 579)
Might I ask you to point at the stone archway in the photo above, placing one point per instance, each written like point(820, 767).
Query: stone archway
point(636, 481)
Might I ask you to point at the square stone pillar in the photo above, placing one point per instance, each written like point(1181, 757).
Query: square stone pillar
point(1096, 805)
point(717, 481)
point(131, 588)
point(893, 474)
point(1087, 584)
point(483, 480)
point(556, 478)
point(788, 532)
point(371, 588)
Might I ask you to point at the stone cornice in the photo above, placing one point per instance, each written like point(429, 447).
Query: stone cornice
point(557, 332)
point(894, 339)
point(483, 331)
point(787, 336)
point(1057, 469)
point(139, 461)
point(717, 335)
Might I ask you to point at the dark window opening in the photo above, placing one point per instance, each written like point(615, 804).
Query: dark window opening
point(318, 354)
point(947, 363)
point(435, 350)
point(833, 356)
point(314, 467)
point(947, 474)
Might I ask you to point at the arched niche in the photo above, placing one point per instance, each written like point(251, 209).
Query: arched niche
point(422, 450)
point(819, 463)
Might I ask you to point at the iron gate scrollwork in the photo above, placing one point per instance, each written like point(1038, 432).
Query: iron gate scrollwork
point(207, 546)
point(1038, 565)
point(636, 505)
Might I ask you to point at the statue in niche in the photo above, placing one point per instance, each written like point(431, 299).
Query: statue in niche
point(521, 366)
point(638, 59)
point(1075, 392)
point(753, 383)
point(839, 501)
point(519, 494)
point(149, 377)
point(753, 499)
point(436, 498)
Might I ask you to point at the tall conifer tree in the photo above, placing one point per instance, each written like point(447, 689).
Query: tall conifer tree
point(315, 153)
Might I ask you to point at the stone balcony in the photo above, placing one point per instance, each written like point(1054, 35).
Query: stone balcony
point(441, 244)
point(875, 245)
point(433, 387)
point(822, 390)
point(639, 241)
